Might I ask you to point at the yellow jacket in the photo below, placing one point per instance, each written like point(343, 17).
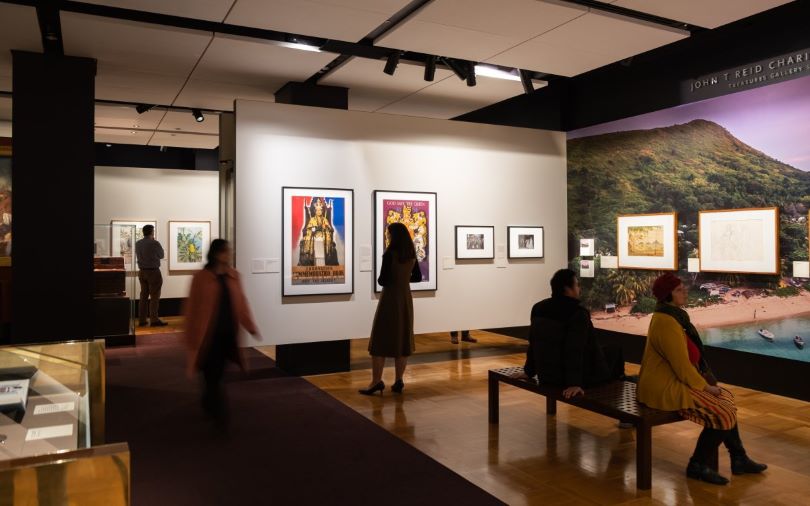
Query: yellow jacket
point(666, 373)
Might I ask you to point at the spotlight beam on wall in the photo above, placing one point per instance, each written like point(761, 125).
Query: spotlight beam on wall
point(391, 63)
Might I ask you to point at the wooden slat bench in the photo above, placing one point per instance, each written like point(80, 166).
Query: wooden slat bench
point(616, 400)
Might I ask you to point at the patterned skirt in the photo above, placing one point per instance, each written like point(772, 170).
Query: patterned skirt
point(714, 412)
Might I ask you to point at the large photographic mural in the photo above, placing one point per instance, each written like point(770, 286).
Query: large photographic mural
point(745, 150)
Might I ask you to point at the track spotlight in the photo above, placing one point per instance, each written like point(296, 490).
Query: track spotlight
point(471, 75)
point(457, 67)
point(391, 63)
point(430, 68)
point(526, 81)
point(198, 115)
point(142, 108)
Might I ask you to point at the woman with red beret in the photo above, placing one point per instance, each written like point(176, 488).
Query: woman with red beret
point(675, 377)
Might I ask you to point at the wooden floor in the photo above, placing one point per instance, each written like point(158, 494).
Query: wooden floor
point(576, 457)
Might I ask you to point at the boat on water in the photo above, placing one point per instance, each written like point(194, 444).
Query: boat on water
point(767, 334)
point(799, 342)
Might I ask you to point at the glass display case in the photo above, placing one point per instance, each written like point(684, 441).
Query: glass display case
point(115, 274)
point(52, 428)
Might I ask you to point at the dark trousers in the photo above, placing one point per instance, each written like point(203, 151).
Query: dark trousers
point(213, 370)
point(710, 439)
point(614, 360)
point(151, 283)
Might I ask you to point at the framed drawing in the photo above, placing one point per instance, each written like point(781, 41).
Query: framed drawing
point(318, 254)
point(587, 247)
point(123, 236)
point(524, 242)
point(739, 240)
point(648, 241)
point(475, 242)
point(417, 211)
point(188, 244)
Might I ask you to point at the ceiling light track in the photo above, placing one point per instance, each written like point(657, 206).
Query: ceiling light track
point(641, 16)
point(50, 27)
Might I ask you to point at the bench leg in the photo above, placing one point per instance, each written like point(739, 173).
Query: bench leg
point(494, 391)
point(713, 461)
point(551, 406)
point(643, 456)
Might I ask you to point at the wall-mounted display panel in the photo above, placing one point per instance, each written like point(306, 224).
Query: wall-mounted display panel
point(475, 242)
point(318, 254)
point(739, 240)
point(122, 241)
point(525, 242)
point(647, 241)
point(188, 244)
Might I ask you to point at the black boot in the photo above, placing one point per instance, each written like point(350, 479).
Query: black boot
point(702, 472)
point(740, 463)
point(707, 444)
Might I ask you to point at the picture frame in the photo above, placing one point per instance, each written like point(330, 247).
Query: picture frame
point(647, 241)
point(475, 242)
point(123, 246)
point(390, 206)
point(587, 247)
point(519, 244)
point(740, 241)
point(318, 241)
point(587, 268)
point(188, 245)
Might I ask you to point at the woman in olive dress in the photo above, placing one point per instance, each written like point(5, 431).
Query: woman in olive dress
point(392, 331)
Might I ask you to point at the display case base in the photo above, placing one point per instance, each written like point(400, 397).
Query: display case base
point(324, 357)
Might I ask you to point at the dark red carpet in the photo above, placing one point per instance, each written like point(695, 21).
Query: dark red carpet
point(289, 442)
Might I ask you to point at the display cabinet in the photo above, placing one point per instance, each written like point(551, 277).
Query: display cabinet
point(114, 275)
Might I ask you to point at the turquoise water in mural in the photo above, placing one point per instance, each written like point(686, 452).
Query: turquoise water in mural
point(745, 338)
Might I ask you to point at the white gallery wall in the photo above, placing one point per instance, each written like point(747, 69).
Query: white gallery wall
point(482, 174)
point(141, 194)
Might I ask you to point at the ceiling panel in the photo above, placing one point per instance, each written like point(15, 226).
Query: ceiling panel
point(18, 30)
point(212, 10)
point(348, 20)
point(452, 97)
point(370, 88)
point(125, 116)
point(184, 121)
point(125, 85)
point(700, 12)
point(182, 140)
point(586, 43)
point(122, 136)
point(477, 29)
point(219, 96)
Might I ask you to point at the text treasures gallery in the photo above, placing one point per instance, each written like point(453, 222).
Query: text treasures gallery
point(775, 69)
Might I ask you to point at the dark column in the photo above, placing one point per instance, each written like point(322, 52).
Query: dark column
point(52, 171)
point(328, 356)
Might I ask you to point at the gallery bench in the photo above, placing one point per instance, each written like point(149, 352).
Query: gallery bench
point(616, 400)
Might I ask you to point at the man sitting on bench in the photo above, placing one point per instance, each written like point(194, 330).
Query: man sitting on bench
point(562, 346)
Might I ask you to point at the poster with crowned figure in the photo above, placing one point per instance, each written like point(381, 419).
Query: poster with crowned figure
point(318, 241)
point(417, 211)
point(188, 245)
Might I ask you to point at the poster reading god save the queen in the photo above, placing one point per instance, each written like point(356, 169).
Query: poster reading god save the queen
point(417, 211)
point(318, 238)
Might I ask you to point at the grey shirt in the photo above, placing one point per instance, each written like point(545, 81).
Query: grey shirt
point(149, 253)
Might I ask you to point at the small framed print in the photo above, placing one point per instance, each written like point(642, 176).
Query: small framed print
point(188, 245)
point(475, 242)
point(525, 242)
point(586, 268)
point(587, 247)
point(648, 241)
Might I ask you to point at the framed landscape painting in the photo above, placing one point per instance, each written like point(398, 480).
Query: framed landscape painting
point(739, 240)
point(188, 244)
point(524, 242)
point(648, 241)
point(318, 225)
point(475, 242)
point(123, 236)
point(417, 211)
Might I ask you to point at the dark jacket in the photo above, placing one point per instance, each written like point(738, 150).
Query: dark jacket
point(562, 346)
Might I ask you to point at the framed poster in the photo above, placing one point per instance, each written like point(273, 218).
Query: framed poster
point(525, 242)
point(188, 244)
point(122, 242)
point(417, 211)
point(318, 242)
point(648, 241)
point(739, 240)
point(475, 242)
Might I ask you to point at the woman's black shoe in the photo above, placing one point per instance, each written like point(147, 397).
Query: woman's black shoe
point(398, 386)
point(379, 387)
point(744, 465)
point(702, 472)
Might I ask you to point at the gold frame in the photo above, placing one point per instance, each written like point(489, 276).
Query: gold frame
point(777, 270)
point(675, 243)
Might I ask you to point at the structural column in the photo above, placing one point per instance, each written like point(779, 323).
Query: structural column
point(52, 174)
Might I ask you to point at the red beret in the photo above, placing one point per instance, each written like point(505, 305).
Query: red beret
point(664, 285)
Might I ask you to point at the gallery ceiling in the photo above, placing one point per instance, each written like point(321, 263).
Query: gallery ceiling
point(187, 68)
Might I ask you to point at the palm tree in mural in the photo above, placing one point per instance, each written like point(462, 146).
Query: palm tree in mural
point(189, 244)
point(630, 285)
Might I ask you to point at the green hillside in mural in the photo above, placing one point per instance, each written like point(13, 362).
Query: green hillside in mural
point(685, 168)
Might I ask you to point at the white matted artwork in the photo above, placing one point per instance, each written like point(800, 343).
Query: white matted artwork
point(608, 262)
point(475, 242)
point(801, 269)
point(587, 247)
point(648, 241)
point(123, 236)
point(525, 242)
point(586, 268)
point(188, 244)
point(739, 241)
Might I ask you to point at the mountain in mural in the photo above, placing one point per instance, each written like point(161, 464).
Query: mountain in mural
point(685, 168)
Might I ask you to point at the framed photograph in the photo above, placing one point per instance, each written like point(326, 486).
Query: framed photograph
point(586, 268)
point(417, 211)
point(188, 244)
point(587, 247)
point(739, 241)
point(318, 242)
point(475, 242)
point(524, 242)
point(122, 240)
point(648, 241)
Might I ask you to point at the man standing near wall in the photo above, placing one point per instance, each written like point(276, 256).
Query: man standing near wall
point(149, 253)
